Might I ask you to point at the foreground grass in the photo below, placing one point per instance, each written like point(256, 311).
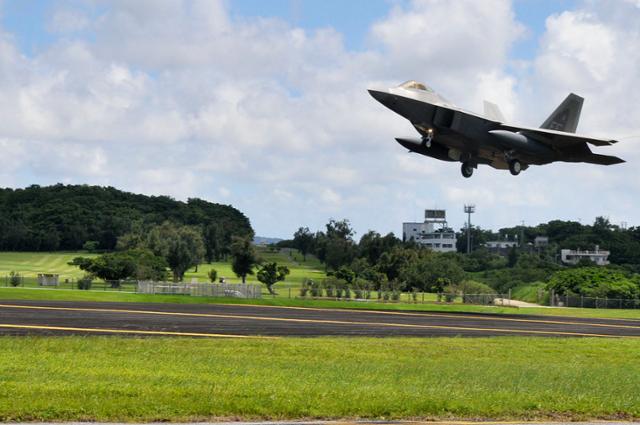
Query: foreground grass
point(160, 379)
point(7, 294)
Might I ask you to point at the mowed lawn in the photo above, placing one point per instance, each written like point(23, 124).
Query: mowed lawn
point(182, 379)
point(299, 270)
point(29, 264)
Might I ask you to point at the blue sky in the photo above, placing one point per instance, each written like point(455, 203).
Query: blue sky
point(263, 104)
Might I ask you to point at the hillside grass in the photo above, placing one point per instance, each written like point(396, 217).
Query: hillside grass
point(528, 292)
point(182, 379)
point(29, 264)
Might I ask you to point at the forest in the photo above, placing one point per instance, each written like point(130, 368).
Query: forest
point(74, 217)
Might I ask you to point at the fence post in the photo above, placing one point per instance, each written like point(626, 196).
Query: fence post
point(552, 298)
point(566, 302)
point(289, 292)
point(509, 297)
point(581, 301)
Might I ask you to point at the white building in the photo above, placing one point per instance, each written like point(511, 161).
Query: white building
point(506, 244)
point(599, 257)
point(433, 233)
point(541, 241)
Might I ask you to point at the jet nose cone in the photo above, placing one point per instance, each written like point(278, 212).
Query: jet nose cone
point(382, 96)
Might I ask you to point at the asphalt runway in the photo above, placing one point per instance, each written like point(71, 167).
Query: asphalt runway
point(241, 321)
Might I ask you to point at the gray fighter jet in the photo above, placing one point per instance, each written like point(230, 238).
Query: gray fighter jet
point(449, 133)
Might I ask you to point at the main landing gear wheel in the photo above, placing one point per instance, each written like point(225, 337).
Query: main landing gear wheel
point(426, 140)
point(466, 169)
point(515, 167)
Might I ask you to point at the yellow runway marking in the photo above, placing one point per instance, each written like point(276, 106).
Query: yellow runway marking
point(128, 331)
point(296, 320)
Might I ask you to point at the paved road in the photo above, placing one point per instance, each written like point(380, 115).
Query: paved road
point(225, 320)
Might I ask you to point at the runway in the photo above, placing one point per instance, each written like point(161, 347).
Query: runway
point(255, 321)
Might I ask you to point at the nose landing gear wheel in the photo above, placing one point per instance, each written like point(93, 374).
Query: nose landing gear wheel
point(466, 169)
point(515, 167)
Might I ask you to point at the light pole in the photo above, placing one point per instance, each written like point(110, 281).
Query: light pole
point(469, 209)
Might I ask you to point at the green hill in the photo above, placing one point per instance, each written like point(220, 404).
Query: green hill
point(65, 217)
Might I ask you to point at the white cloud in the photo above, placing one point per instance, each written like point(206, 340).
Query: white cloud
point(68, 21)
point(179, 98)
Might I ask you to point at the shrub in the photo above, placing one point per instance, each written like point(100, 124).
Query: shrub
point(15, 279)
point(414, 295)
point(304, 289)
point(316, 289)
point(474, 287)
point(347, 291)
point(213, 275)
point(85, 282)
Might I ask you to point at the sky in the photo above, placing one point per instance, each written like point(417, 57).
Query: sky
point(263, 104)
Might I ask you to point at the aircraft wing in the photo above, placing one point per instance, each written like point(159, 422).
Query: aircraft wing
point(559, 139)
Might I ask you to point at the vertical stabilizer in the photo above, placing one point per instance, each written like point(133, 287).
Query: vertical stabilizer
point(566, 116)
point(492, 111)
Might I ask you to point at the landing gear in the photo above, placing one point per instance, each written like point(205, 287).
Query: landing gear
point(466, 169)
point(515, 167)
point(427, 138)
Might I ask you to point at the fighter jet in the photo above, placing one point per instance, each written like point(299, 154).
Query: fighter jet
point(449, 133)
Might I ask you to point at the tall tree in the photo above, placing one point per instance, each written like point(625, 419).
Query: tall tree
point(339, 246)
point(243, 257)
point(181, 246)
point(272, 273)
point(303, 241)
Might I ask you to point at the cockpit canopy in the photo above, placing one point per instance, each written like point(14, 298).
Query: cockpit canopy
point(411, 84)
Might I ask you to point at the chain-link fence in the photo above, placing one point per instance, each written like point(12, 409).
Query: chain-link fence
point(556, 300)
point(235, 290)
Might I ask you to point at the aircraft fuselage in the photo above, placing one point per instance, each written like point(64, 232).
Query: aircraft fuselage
point(449, 133)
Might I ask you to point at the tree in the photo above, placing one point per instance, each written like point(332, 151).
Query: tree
point(140, 264)
point(339, 248)
point(213, 275)
point(243, 257)
point(512, 259)
point(213, 242)
point(391, 263)
point(372, 245)
point(271, 273)
point(432, 272)
point(595, 282)
point(181, 246)
point(303, 241)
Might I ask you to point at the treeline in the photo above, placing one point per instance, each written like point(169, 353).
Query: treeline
point(624, 243)
point(384, 261)
point(73, 217)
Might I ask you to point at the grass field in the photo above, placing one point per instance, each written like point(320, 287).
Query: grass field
point(162, 379)
point(29, 264)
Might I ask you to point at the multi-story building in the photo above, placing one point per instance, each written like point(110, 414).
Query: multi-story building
point(598, 256)
point(433, 233)
point(501, 247)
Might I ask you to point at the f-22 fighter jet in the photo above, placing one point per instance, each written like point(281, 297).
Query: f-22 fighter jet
point(449, 133)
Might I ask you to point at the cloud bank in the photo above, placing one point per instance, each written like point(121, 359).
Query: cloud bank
point(183, 98)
